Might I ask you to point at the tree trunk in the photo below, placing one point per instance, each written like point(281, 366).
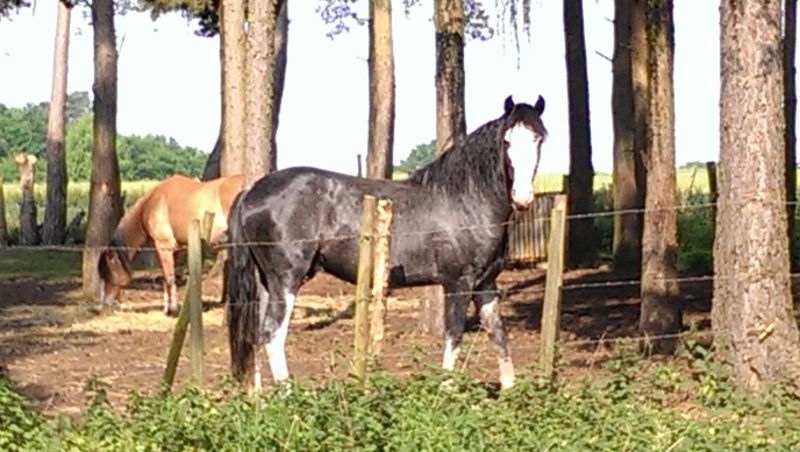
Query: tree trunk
point(451, 123)
point(660, 312)
point(26, 167)
point(381, 91)
point(262, 20)
point(751, 315)
point(105, 203)
point(628, 192)
point(212, 170)
point(281, 53)
point(55, 214)
point(580, 200)
point(232, 18)
point(789, 106)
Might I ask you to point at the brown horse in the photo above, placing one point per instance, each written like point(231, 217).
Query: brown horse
point(162, 215)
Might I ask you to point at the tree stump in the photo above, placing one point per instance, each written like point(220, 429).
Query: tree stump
point(26, 167)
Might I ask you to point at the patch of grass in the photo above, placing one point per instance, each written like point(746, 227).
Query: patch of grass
point(35, 263)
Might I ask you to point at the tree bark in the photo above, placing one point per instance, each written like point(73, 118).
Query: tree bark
point(628, 191)
point(451, 123)
point(105, 203)
point(580, 194)
point(381, 91)
point(212, 168)
point(660, 312)
point(789, 109)
point(262, 21)
point(234, 142)
point(55, 214)
point(281, 53)
point(26, 168)
point(751, 316)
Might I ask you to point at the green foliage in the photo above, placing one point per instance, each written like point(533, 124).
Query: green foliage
point(20, 427)
point(148, 157)
point(639, 406)
point(421, 155)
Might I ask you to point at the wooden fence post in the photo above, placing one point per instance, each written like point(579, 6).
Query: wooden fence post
point(551, 309)
point(191, 312)
point(380, 275)
point(178, 336)
point(196, 301)
point(26, 165)
point(364, 276)
point(3, 224)
point(711, 168)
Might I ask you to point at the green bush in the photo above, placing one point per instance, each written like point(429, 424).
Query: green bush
point(685, 405)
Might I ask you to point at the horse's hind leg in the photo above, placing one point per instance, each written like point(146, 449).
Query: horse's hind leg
point(454, 321)
point(487, 300)
point(166, 259)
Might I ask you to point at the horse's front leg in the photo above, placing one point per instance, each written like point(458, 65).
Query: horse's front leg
point(166, 259)
point(488, 300)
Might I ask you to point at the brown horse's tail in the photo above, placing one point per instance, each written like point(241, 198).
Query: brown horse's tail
point(239, 293)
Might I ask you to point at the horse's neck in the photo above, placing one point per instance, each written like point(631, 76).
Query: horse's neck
point(473, 164)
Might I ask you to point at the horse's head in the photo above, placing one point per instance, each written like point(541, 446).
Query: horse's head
point(521, 121)
point(113, 269)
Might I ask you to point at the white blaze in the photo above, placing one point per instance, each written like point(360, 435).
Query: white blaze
point(522, 153)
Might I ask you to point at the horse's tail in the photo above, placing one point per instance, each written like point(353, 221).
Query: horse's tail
point(239, 295)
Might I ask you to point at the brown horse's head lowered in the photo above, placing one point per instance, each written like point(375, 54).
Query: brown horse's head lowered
point(114, 270)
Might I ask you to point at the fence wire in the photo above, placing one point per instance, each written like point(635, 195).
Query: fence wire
point(504, 224)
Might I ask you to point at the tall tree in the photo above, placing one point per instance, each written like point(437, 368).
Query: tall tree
point(381, 91)
point(628, 175)
point(660, 312)
point(789, 111)
point(580, 195)
point(451, 123)
point(751, 314)
point(278, 76)
point(105, 203)
point(234, 50)
point(55, 214)
point(262, 20)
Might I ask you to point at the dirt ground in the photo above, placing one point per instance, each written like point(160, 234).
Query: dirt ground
point(52, 343)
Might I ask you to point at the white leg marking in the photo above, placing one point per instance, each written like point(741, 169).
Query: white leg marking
point(275, 347)
point(173, 297)
point(488, 308)
point(165, 297)
point(506, 373)
point(450, 355)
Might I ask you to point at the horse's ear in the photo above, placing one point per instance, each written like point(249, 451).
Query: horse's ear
point(509, 105)
point(539, 107)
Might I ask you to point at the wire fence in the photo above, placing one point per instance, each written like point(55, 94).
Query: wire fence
point(355, 236)
point(505, 224)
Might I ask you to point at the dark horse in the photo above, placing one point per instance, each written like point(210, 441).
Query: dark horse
point(449, 228)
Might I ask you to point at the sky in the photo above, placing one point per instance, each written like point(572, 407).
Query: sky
point(168, 79)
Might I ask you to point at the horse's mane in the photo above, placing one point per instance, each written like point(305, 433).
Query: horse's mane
point(473, 160)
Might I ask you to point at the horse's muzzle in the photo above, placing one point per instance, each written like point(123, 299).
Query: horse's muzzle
point(522, 204)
